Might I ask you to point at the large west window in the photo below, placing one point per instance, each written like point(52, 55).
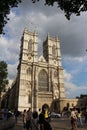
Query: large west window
point(43, 81)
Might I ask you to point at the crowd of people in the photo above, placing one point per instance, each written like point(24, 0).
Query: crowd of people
point(36, 120)
point(31, 120)
point(5, 114)
point(40, 120)
point(76, 118)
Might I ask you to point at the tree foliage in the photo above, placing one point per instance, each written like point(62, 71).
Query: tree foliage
point(5, 6)
point(3, 76)
point(68, 6)
point(82, 96)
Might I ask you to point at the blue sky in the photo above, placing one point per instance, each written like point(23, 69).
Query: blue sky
point(72, 35)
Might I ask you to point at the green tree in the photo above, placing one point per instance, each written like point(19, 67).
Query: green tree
point(68, 6)
point(83, 96)
point(3, 76)
point(5, 7)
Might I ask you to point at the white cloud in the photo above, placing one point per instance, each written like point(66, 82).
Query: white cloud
point(75, 59)
point(67, 76)
point(8, 49)
point(71, 89)
point(12, 71)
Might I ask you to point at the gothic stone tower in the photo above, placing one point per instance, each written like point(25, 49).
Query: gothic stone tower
point(40, 80)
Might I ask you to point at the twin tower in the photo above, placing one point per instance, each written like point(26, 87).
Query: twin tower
point(40, 79)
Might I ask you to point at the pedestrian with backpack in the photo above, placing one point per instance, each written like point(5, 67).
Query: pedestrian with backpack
point(29, 120)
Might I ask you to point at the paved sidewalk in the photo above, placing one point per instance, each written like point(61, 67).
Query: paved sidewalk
point(6, 124)
point(19, 125)
point(64, 124)
point(57, 124)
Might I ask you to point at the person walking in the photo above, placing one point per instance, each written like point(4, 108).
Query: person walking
point(79, 118)
point(73, 120)
point(24, 118)
point(28, 119)
point(44, 124)
point(46, 114)
point(16, 113)
point(35, 121)
point(85, 115)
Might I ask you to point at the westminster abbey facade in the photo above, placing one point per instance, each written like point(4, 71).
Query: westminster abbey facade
point(40, 80)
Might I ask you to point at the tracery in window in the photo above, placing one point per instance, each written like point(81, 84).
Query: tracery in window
point(43, 80)
point(30, 45)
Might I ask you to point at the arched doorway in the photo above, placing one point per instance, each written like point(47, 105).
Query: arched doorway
point(44, 107)
point(55, 106)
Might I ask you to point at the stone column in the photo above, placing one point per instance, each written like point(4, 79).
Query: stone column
point(32, 93)
point(52, 83)
point(36, 94)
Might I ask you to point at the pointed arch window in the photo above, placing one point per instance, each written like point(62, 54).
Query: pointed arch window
point(28, 71)
point(55, 74)
point(30, 45)
point(43, 81)
point(54, 50)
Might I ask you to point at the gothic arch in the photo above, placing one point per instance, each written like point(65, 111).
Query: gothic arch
point(43, 80)
point(54, 50)
point(28, 71)
point(55, 74)
point(30, 45)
